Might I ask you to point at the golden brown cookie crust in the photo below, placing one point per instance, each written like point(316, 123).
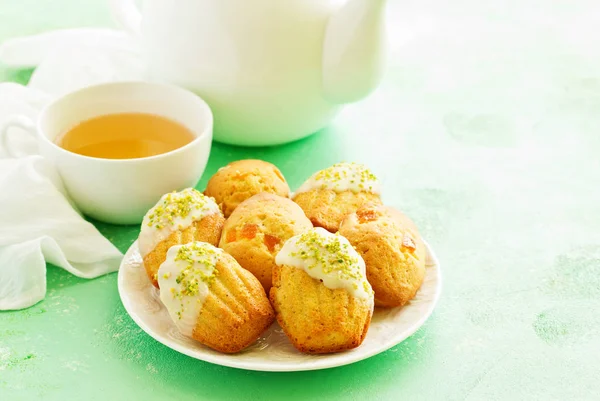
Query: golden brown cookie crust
point(327, 208)
point(242, 179)
point(207, 229)
point(236, 310)
point(392, 249)
point(317, 319)
point(257, 230)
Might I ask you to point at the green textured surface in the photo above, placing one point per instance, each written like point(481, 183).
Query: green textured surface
point(485, 131)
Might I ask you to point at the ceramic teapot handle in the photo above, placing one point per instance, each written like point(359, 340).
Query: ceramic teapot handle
point(127, 15)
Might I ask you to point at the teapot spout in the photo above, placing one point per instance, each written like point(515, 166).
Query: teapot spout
point(354, 51)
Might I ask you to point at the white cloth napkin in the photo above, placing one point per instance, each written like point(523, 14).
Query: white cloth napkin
point(17, 99)
point(38, 223)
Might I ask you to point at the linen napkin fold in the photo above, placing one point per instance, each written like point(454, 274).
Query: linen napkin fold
point(17, 99)
point(38, 223)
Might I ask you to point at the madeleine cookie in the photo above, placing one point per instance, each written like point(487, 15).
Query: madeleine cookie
point(392, 249)
point(240, 180)
point(331, 194)
point(212, 299)
point(177, 218)
point(323, 300)
point(257, 229)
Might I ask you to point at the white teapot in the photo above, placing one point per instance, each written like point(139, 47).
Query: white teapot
point(273, 71)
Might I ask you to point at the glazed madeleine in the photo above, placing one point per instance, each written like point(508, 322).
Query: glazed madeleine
point(393, 251)
point(177, 218)
point(320, 293)
point(212, 299)
point(258, 228)
point(331, 194)
point(242, 179)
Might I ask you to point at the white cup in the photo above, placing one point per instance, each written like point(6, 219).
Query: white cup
point(121, 191)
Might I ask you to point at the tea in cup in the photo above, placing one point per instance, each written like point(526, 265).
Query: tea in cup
point(120, 146)
point(125, 136)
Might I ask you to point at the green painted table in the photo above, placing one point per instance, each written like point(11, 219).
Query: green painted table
point(485, 131)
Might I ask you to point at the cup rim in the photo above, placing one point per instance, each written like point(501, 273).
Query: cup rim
point(163, 86)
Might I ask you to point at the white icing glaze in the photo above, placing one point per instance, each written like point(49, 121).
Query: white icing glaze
point(174, 211)
point(193, 265)
point(343, 177)
point(327, 257)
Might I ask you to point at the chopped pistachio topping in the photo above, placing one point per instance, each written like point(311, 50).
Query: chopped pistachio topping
point(330, 254)
point(328, 258)
point(343, 177)
point(176, 205)
point(340, 171)
point(185, 280)
point(199, 267)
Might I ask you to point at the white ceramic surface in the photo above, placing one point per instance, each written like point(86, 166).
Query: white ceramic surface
point(272, 71)
point(122, 191)
point(273, 352)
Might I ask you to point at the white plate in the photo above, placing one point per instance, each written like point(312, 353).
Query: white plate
point(273, 352)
